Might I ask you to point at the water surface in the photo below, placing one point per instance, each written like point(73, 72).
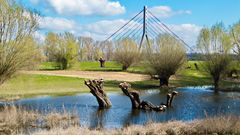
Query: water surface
point(191, 103)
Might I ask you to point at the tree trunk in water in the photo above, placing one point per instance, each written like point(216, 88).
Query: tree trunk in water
point(96, 88)
point(216, 83)
point(173, 94)
point(164, 81)
point(169, 96)
point(145, 105)
point(133, 95)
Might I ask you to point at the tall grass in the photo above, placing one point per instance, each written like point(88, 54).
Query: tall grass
point(14, 120)
point(216, 125)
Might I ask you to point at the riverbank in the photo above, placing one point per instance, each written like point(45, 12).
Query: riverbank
point(49, 81)
point(221, 125)
point(20, 122)
point(30, 85)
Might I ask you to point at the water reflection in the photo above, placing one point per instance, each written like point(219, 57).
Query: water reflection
point(98, 118)
point(130, 117)
point(191, 103)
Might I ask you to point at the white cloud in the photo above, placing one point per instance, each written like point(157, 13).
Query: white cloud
point(105, 26)
point(87, 7)
point(166, 11)
point(56, 24)
point(98, 30)
point(188, 32)
point(103, 29)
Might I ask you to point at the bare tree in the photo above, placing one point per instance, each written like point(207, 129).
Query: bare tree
point(17, 48)
point(127, 53)
point(108, 50)
point(215, 44)
point(235, 33)
point(98, 50)
point(165, 57)
point(85, 49)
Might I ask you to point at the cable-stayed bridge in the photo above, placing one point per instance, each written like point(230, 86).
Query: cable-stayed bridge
point(144, 26)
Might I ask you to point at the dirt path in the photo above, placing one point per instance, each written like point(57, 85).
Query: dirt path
point(119, 76)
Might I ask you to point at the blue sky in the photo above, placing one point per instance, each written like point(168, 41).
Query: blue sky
point(100, 18)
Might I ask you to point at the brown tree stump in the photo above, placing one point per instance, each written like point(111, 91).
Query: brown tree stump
point(145, 105)
point(102, 62)
point(96, 88)
point(133, 95)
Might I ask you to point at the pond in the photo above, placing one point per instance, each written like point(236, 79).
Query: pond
point(191, 103)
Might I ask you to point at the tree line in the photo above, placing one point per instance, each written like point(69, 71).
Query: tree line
point(162, 57)
point(67, 49)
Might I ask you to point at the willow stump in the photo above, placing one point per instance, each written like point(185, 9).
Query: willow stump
point(102, 62)
point(145, 105)
point(96, 88)
point(133, 95)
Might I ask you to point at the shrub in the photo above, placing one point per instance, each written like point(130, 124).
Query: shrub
point(127, 53)
point(17, 47)
point(165, 57)
point(215, 44)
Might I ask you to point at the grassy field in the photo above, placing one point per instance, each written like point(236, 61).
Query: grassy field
point(93, 66)
point(30, 85)
point(27, 85)
point(185, 76)
point(139, 68)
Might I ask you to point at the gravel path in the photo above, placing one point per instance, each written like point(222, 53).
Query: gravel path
point(119, 76)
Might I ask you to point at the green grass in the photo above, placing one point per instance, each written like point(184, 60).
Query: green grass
point(93, 66)
point(25, 85)
point(48, 66)
point(114, 66)
point(194, 77)
point(29, 85)
point(87, 66)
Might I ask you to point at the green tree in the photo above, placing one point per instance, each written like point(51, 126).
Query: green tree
point(127, 53)
point(165, 57)
point(17, 47)
point(61, 48)
point(215, 44)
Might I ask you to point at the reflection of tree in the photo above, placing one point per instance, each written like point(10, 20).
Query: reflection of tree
point(128, 120)
point(97, 119)
point(216, 97)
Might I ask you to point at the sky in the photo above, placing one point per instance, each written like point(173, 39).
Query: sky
point(100, 18)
